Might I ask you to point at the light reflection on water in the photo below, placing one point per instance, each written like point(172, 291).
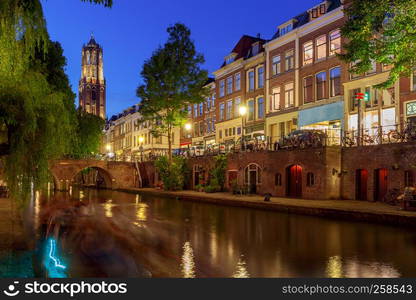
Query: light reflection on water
point(185, 239)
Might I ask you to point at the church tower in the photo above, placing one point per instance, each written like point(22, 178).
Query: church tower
point(92, 91)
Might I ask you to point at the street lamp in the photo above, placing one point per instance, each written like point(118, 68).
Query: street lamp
point(243, 111)
point(188, 126)
point(108, 147)
point(141, 140)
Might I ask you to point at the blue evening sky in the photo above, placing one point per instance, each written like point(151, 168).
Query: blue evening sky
point(132, 29)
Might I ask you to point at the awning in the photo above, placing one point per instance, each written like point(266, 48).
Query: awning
point(328, 112)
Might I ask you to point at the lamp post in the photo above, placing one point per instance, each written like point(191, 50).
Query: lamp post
point(141, 139)
point(243, 111)
point(188, 128)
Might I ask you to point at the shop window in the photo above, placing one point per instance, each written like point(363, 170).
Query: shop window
point(278, 179)
point(310, 179)
point(408, 178)
point(353, 99)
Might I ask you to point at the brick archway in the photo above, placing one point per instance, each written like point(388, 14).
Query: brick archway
point(116, 174)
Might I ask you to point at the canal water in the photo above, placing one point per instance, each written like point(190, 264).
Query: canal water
point(121, 234)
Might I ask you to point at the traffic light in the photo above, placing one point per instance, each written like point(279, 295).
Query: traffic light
point(367, 96)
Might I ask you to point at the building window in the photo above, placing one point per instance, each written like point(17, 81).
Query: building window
point(237, 103)
point(289, 95)
point(222, 108)
point(260, 77)
point(260, 108)
point(308, 53)
point(275, 101)
point(308, 89)
point(321, 47)
point(276, 66)
point(278, 179)
point(229, 85)
point(335, 78)
point(408, 178)
point(249, 177)
point(290, 60)
point(335, 42)
point(222, 88)
point(229, 112)
point(195, 110)
point(238, 81)
point(251, 110)
point(220, 134)
point(310, 179)
point(251, 81)
point(201, 108)
point(320, 85)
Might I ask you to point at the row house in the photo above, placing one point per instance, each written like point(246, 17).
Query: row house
point(127, 136)
point(200, 126)
point(304, 86)
point(240, 83)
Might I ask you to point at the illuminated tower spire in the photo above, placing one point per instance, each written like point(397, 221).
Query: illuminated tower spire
point(92, 86)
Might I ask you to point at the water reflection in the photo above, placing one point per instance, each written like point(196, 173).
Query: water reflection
point(188, 263)
point(185, 239)
point(241, 269)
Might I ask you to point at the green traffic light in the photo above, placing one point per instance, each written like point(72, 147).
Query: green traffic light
point(367, 97)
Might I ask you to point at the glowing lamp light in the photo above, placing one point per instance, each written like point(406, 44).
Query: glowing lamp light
point(141, 139)
point(108, 147)
point(188, 126)
point(242, 110)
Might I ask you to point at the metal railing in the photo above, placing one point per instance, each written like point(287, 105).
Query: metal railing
point(392, 134)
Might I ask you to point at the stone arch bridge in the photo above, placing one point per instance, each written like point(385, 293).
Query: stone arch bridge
point(116, 175)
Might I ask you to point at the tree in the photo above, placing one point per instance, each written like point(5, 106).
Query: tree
point(173, 79)
point(88, 133)
point(381, 31)
point(37, 112)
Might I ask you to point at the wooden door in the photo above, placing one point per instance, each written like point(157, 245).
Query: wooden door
point(294, 181)
point(361, 183)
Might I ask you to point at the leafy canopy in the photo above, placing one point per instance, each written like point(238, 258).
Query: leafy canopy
point(173, 79)
point(38, 120)
point(384, 32)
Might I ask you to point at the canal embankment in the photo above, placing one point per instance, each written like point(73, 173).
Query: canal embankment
point(15, 254)
point(349, 210)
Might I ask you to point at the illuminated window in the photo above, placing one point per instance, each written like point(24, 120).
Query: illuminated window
point(251, 110)
point(308, 53)
point(335, 42)
point(222, 108)
point(321, 47)
point(289, 95)
point(229, 113)
point(275, 100)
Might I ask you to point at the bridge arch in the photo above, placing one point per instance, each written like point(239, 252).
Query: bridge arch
point(105, 179)
point(114, 174)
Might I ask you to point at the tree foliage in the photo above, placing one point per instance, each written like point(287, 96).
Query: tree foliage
point(173, 174)
point(381, 31)
point(88, 134)
point(37, 111)
point(173, 79)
